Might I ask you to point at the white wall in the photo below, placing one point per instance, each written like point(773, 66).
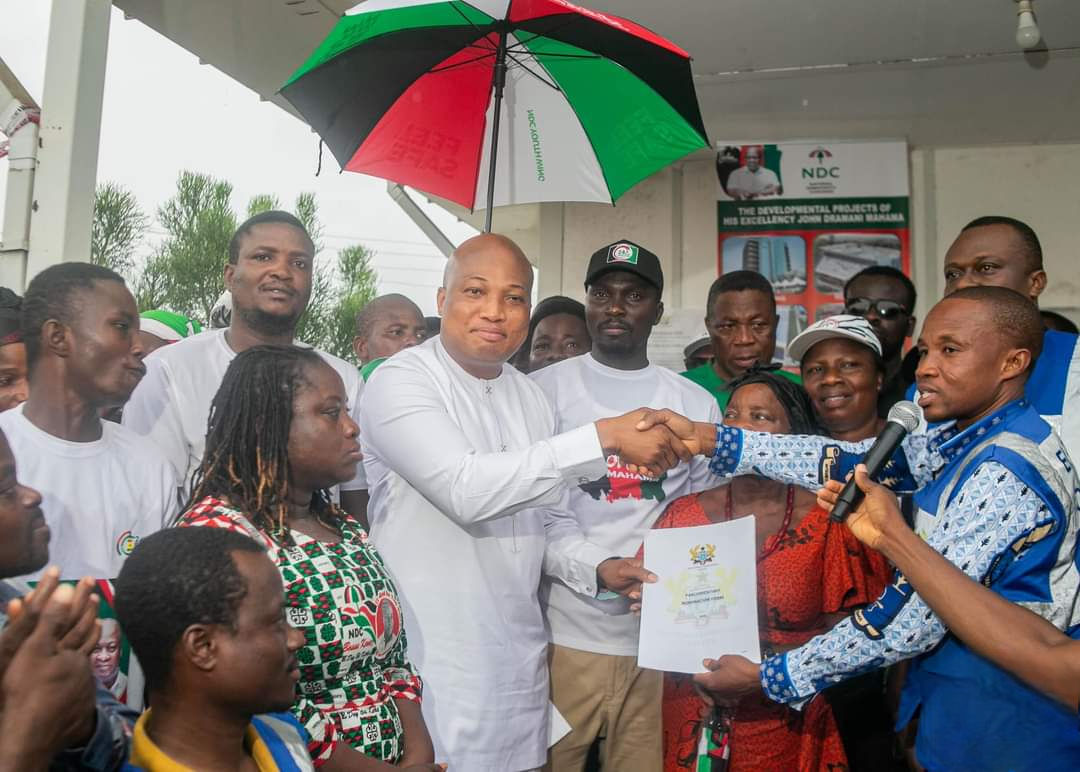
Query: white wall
point(674, 214)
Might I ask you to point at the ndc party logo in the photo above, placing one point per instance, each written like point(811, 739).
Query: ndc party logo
point(623, 253)
point(702, 554)
point(125, 545)
point(823, 172)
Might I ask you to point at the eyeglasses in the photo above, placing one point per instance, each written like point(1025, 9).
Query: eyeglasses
point(886, 309)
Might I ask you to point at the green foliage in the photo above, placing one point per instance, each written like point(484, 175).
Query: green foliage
point(185, 274)
point(119, 225)
point(200, 223)
point(356, 288)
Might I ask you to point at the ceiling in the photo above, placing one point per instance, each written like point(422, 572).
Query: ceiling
point(937, 73)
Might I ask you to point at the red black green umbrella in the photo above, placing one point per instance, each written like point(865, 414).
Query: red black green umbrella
point(574, 105)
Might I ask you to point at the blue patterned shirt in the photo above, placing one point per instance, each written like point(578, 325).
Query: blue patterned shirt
point(997, 499)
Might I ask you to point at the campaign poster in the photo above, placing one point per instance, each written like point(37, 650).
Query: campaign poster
point(112, 661)
point(809, 216)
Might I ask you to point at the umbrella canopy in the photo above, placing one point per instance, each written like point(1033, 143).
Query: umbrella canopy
point(412, 91)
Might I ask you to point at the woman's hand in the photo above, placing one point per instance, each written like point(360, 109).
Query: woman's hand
point(878, 515)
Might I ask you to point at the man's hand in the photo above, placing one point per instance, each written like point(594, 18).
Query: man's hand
point(699, 438)
point(79, 630)
point(48, 689)
point(729, 678)
point(878, 515)
point(652, 451)
point(624, 576)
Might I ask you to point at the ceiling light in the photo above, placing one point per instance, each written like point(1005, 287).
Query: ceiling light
point(1027, 31)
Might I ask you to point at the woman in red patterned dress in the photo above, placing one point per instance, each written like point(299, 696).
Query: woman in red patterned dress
point(811, 573)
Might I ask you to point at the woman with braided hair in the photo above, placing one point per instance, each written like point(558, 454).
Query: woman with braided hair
point(278, 438)
point(810, 573)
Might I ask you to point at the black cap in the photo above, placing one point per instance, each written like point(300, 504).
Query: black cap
point(625, 255)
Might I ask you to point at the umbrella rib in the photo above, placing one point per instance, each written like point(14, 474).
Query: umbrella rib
point(461, 64)
point(469, 21)
point(532, 72)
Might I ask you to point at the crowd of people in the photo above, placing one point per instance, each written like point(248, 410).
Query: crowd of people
point(433, 558)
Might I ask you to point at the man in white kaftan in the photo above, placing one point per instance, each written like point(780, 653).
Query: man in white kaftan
point(468, 508)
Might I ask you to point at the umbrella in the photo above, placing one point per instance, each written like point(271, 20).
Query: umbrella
point(572, 104)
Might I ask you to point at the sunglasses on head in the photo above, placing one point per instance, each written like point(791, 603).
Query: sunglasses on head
point(886, 309)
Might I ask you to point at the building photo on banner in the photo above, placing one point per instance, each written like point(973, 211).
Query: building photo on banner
point(809, 216)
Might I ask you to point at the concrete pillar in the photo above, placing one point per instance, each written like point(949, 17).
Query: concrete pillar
point(70, 133)
point(549, 260)
point(19, 115)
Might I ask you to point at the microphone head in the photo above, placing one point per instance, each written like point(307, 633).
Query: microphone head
point(907, 414)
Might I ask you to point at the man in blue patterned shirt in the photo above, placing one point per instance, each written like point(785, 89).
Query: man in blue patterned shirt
point(996, 495)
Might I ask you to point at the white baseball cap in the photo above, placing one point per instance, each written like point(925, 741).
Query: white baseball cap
point(854, 328)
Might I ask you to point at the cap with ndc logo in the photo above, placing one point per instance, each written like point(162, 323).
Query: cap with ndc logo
point(625, 255)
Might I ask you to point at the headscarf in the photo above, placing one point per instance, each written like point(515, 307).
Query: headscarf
point(168, 326)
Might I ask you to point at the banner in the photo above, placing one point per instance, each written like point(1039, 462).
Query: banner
point(809, 216)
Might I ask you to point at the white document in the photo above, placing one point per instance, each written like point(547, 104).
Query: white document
point(558, 727)
point(704, 603)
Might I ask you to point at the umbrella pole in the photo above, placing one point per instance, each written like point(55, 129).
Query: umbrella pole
point(500, 83)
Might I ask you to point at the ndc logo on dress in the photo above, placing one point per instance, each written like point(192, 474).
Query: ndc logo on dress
point(702, 554)
point(623, 253)
point(125, 545)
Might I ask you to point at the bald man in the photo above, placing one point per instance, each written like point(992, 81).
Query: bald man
point(385, 326)
point(468, 506)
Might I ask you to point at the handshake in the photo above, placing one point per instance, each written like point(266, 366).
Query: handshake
point(653, 441)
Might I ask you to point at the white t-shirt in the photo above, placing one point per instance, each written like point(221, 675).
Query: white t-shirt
point(99, 498)
point(172, 403)
point(616, 510)
point(744, 181)
point(468, 496)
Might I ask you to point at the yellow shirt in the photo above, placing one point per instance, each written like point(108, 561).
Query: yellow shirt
point(275, 744)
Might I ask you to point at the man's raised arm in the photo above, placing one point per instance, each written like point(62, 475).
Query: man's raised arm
point(806, 460)
point(404, 422)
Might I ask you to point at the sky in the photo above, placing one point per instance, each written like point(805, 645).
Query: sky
point(164, 113)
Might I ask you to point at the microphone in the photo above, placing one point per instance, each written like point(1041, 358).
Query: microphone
point(904, 417)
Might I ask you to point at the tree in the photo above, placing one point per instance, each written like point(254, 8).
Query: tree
point(200, 222)
point(186, 273)
point(357, 286)
point(119, 225)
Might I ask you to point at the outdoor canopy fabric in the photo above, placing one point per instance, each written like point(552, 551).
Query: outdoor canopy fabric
point(402, 89)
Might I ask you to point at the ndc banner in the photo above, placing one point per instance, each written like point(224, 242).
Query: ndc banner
point(809, 216)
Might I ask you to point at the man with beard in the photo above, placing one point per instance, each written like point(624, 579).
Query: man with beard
point(104, 487)
point(595, 681)
point(269, 279)
point(469, 490)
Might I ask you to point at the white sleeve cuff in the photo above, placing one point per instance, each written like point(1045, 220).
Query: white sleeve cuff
point(580, 568)
point(578, 455)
